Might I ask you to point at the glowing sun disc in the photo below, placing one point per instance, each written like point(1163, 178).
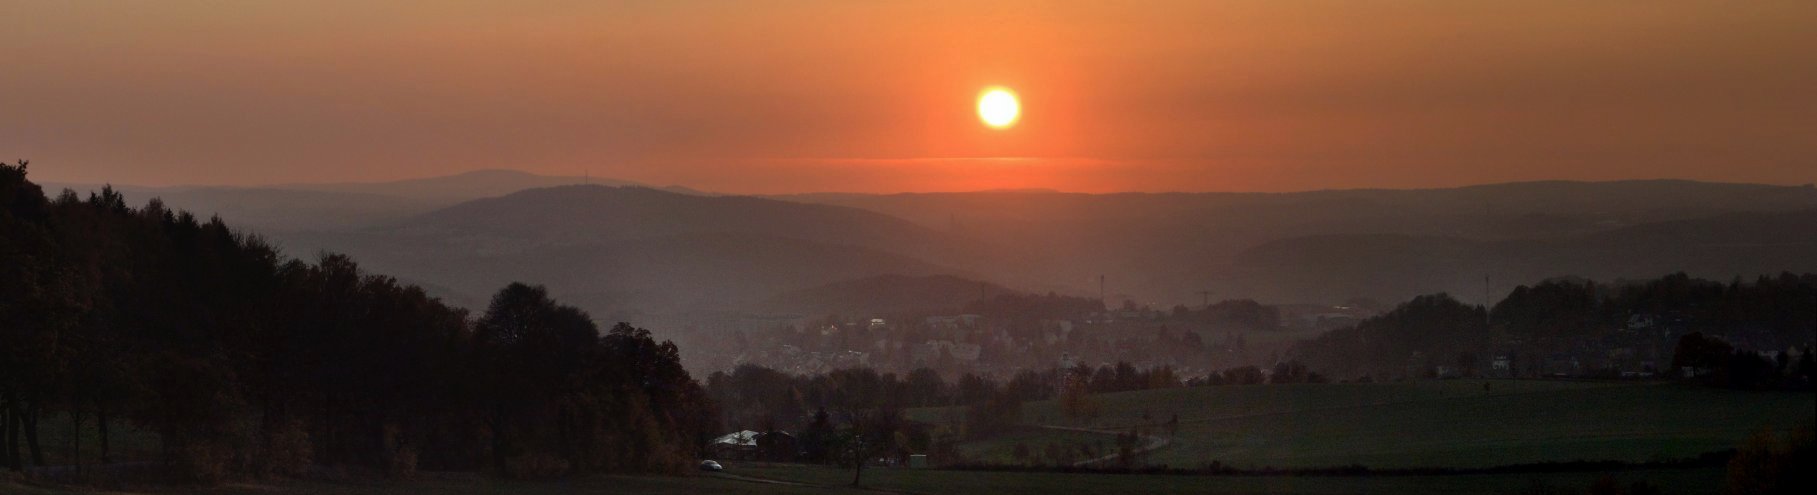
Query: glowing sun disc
point(998, 108)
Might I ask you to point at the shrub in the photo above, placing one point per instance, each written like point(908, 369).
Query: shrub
point(535, 465)
point(201, 462)
point(288, 451)
point(400, 463)
point(1767, 464)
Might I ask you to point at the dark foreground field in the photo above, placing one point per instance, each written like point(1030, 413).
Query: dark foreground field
point(1423, 424)
point(795, 479)
point(462, 484)
point(1452, 424)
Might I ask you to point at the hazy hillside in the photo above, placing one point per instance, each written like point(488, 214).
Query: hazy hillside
point(1617, 201)
point(275, 210)
point(631, 248)
point(703, 272)
point(617, 248)
point(285, 208)
point(581, 215)
point(1164, 248)
point(1396, 267)
point(591, 213)
point(460, 187)
point(886, 294)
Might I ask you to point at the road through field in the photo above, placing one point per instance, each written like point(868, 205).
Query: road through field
point(1150, 443)
point(767, 481)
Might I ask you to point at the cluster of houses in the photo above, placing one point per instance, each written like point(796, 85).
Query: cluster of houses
point(954, 344)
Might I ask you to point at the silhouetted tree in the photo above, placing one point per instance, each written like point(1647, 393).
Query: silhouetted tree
point(242, 361)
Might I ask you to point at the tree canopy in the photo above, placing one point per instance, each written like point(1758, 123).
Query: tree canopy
point(243, 361)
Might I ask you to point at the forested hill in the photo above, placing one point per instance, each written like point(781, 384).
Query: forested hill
point(1575, 327)
point(243, 361)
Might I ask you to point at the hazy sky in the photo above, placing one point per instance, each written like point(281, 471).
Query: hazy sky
point(755, 96)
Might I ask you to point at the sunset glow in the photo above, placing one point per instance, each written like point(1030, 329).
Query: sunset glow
point(998, 108)
point(701, 246)
point(823, 95)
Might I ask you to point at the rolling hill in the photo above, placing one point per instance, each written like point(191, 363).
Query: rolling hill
point(283, 208)
point(274, 210)
point(587, 214)
point(614, 249)
point(449, 189)
point(885, 294)
point(1401, 266)
point(1165, 248)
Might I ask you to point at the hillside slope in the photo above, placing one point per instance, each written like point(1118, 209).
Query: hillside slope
point(1401, 266)
point(886, 294)
point(638, 249)
point(1165, 248)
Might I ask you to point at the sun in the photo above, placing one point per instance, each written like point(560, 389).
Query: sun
point(998, 108)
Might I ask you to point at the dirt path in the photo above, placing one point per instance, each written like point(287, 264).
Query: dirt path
point(770, 481)
point(1150, 443)
point(766, 481)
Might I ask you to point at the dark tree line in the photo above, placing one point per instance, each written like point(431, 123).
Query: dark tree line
point(1415, 334)
point(1282, 373)
point(1773, 311)
point(245, 362)
point(1238, 313)
point(1709, 360)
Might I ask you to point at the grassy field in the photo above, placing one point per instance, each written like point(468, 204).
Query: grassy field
point(1453, 423)
point(1000, 449)
point(968, 482)
point(909, 481)
point(817, 479)
point(1457, 423)
point(469, 484)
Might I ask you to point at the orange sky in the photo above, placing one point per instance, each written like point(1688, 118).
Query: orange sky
point(877, 96)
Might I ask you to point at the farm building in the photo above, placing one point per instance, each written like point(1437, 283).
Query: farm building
point(747, 445)
point(740, 445)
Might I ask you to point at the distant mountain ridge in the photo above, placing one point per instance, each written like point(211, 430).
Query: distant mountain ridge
point(483, 183)
point(627, 212)
point(271, 210)
point(616, 248)
point(1400, 266)
point(1164, 247)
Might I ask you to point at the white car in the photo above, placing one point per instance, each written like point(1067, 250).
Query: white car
point(711, 466)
